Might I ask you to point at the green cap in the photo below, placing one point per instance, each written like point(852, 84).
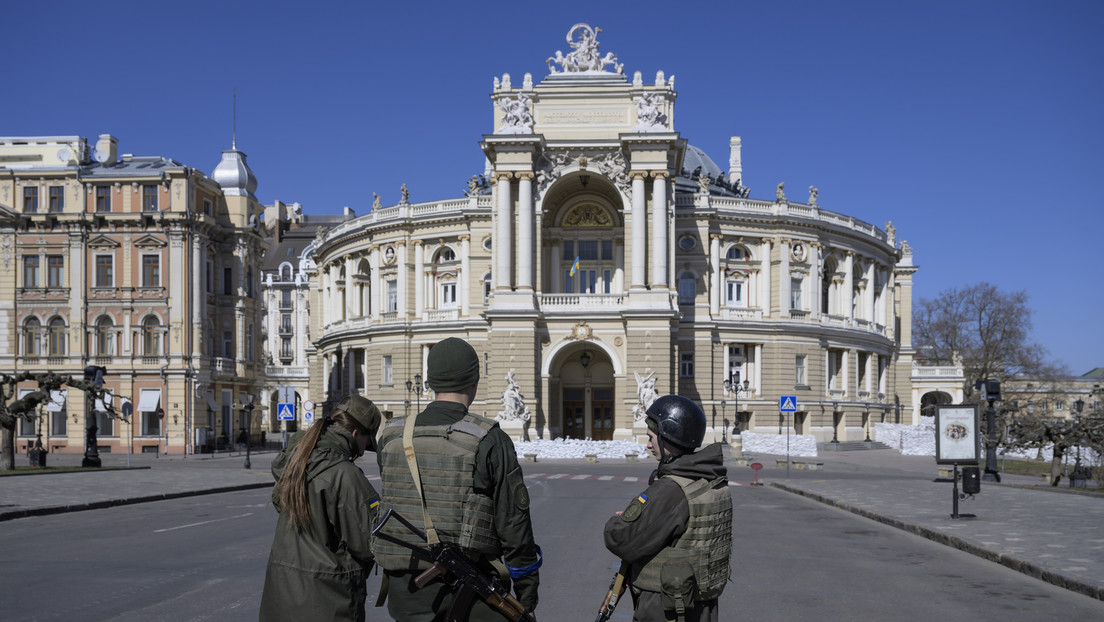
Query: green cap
point(452, 366)
point(365, 413)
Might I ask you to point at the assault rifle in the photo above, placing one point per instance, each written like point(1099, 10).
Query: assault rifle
point(616, 590)
point(458, 572)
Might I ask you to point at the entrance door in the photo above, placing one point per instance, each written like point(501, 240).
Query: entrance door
point(573, 424)
point(602, 421)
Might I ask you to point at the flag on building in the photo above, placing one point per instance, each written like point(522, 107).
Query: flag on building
point(574, 266)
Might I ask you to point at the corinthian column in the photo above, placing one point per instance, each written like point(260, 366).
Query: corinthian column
point(419, 280)
point(715, 282)
point(525, 231)
point(638, 278)
point(503, 243)
point(465, 275)
point(659, 230)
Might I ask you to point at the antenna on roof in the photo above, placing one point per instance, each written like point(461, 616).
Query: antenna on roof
point(234, 141)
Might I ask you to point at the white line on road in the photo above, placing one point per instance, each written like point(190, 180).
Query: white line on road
point(605, 478)
point(632, 479)
point(580, 477)
point(206, 522)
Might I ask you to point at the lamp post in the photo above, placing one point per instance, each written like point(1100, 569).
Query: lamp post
point(415, 387)
point(247, 408)
point(990, 393)
point(1078, 406)
point(724, 422)
point(93, 374)
point(735, 387)
point(835, 426)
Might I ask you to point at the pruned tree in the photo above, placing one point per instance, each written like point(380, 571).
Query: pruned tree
point(1033, 432)
point(26, 406)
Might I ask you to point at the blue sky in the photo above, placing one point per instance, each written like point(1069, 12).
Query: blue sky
point(975, 126)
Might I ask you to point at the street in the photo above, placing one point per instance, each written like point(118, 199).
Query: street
point(203, 558)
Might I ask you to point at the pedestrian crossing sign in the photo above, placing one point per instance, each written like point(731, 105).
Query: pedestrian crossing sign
point(787, 404)
point(285, 412)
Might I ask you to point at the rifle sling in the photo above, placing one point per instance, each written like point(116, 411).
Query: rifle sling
point(408, 447)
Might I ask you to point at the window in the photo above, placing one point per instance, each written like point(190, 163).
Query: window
point(737, 360)
point(228, 281)
point(446, 254)
point(687, 243)
point(148, 403)
point(285, 298)
point(799, 370)
point(392, 296)
point(734, 293)
point(285, 348)
point(210, 278)
point(103, 198)
point(736, 253)
point(32, 331)
point(104, 273)
point(249, 342)
point(487, 288)
point(795, 294)
point(589, 265)
point(30, 199)
point(58, 414)
point(151, 270)
point(249, 281)
point(228, 344)
point(448, 295)
point(149, 198)
point(686, 288)
point(1060, 405)
point(30, 271)
point(686, 365)
point(57, 337)
point(207, 207)
point(55, 271)
point(387, 378)
point(57, 199)
point(835, 369)
point(151, 336)
point(285, 323)
point(105, 338)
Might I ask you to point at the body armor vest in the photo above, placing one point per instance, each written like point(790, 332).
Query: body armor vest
point(446, 462)
point(705, 546)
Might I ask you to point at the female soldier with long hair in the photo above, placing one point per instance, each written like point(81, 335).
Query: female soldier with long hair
point(320, 556)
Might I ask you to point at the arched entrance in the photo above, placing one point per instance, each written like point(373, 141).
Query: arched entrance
point(585, 393)
point(930, 400)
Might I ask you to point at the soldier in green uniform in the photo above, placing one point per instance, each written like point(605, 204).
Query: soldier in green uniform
point(465, 487)
point(676, 536)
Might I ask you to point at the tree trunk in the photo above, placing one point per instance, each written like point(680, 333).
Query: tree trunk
point(1056, 465)
point(7, 456)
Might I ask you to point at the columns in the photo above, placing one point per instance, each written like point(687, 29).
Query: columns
point(818, 282)
point(659, 231)
point(845, 378)
point(400, 259)
point(419, 280)
point(716, 281)
point(554, 267)
point(465, 275)
point(350, 288)
point(849, 287)
point(376, 283)
point(503, 242)
point(765, 276)
point(868, 294)
point(758, 373)
point(618, 267)
point(637, 277)
point(784, 279)
point(198, 292)
point(526, 231)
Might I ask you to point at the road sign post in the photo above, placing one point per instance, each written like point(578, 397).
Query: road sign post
point(787, 404)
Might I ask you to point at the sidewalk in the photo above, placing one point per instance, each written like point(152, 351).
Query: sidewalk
point(1052, 534)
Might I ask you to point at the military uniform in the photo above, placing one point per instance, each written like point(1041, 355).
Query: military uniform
point(677, 538)
point(320, 573)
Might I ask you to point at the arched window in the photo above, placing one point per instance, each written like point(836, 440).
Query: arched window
point(285, 272)
point(32, 330)
point(105, 338)
point(486, 288)
point(737, 253)
point(686, 288)
point(58, 334)
point(444, 255)
point(151, 336)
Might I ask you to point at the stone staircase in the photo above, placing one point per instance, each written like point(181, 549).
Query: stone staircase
point(851, 446)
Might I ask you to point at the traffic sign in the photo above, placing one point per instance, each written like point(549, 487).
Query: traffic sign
point(787, 404)
point(308, 417)
point(285, 412)
point(160, 413)
point(308, 405)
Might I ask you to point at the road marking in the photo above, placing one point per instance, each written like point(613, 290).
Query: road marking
point(206, 522)
point(605, 478)
point(580, 477)
point(557, 476)
point(632, 479)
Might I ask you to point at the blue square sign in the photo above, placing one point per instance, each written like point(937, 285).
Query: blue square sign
point(787, 403)
point(285, 412)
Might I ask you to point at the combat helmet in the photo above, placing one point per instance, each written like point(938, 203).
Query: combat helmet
point(678, 421)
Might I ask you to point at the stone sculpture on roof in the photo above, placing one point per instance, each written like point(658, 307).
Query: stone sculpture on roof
point(518, 119)
point(585, 58)
point(649, 118)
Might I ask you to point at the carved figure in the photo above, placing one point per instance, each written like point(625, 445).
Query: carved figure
point(375, 201)
point(513, 404)
point(473, 186)
point(778, 193)
point(813, 194)
point(517, 119)
point(585, 56)
point(891, 233)
point(645, 394)
point(649, 118)
point(405, 194)
point(704, 182)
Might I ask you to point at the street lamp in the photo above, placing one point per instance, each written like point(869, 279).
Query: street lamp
point(724, 422)
point(734, 386)
point(416, 388)
point(835, 426)
point(247, 406)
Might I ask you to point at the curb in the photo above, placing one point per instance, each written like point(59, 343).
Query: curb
point(1007, 561)
point(96, 505)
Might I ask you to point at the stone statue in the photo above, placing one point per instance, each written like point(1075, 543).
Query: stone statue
point(375, 202)
point(813, 194)
point(513, 404)
point(473, 186)
point(704, 181)
point(905, 248)
point(648, 116)
point(779, 194)
point(585, 57)
point(405, 194)
point(645, 394)
point(891, 233)
point(517, 119)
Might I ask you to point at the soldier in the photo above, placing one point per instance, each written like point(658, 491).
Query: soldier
point(676, 536)
point(321, 555)
point(459, 482)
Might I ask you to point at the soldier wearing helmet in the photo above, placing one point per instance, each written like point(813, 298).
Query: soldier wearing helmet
point(676, 536)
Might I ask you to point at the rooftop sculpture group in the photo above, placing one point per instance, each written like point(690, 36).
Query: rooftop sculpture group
point(585, 58)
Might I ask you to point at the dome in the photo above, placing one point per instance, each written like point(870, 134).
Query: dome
point(233, 174)
point(696, 157)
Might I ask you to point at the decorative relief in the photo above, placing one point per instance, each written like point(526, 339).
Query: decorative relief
point(648, 116)
point(517, 119)
point(799, 252)
point(587, 215)
point(610, 164)
point(584, 57)
point(581, 331)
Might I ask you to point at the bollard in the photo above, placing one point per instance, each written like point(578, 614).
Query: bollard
point(530, 457)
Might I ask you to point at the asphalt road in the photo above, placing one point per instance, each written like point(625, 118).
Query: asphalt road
point(203, 558)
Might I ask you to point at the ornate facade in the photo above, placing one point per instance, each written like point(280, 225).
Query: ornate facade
point(143, 266)
point(600, 253)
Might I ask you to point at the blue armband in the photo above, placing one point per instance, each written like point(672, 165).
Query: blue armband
point(517, 573)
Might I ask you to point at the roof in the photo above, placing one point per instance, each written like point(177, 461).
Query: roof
point(136, 166)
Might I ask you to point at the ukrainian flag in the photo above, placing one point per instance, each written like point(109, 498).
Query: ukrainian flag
point(574, 266)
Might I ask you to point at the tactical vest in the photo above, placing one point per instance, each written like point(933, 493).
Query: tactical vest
point(705, 546)
point(446, 463)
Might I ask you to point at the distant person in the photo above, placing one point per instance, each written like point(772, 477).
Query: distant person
point(321, 555)
point(471, 489)
point(676, 536)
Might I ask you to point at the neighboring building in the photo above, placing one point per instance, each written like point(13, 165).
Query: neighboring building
point(1056, 398)
point(143, 266)
point(599, 253)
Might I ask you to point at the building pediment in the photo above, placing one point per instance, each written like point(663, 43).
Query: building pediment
point(102, 241)
point(149, 241)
